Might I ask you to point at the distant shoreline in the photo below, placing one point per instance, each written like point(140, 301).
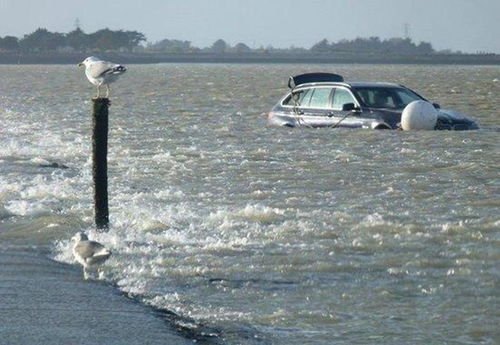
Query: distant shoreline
point(153, 58)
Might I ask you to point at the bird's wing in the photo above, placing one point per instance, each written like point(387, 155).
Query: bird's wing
point(87, 249)
point(99, 69)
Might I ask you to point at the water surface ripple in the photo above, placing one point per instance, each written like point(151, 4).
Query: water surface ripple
point(269, 235)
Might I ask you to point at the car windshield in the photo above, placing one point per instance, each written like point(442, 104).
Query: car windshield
point(386, 97)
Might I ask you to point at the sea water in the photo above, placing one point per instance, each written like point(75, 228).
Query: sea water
point(258, 235)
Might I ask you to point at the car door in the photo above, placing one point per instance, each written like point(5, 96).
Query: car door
point(315, 107)
point(342, 114)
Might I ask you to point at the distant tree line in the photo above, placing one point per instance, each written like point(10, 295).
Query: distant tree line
point(175, 46)
point(106, 40)
point(374, 45)
point(42, 40)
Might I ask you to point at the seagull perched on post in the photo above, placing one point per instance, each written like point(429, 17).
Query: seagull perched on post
point(101, 72)
point(88, 253)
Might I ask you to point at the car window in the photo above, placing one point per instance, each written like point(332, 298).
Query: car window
point(300, 98)
point(406, 97)
point(366, 96)
point(321, 98)
point(341, 97)
point(305, 98)
point(386, 97)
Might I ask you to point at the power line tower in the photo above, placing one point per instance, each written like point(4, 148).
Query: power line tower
point(407, 31)
point(78, 24)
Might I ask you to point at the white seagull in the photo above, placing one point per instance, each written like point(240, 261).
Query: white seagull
point(101, 72)
point(88, 253)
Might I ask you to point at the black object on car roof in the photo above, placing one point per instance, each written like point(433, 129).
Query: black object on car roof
point(300, 79)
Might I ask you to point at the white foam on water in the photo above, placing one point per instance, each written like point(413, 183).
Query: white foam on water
point(374, 220)
point(252, 212)
point(149, 251)
point(4, 213)
point(276, 231)
point(25, 208)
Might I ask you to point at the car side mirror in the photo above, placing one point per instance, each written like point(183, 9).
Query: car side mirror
point(350, 107)
point(437, 106)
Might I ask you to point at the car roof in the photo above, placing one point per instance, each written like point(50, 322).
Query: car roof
point(351, 84)
point(373, 84)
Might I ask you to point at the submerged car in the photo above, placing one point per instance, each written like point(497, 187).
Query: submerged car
point(326, 100)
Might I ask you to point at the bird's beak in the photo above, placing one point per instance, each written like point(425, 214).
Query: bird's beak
point(80, 64)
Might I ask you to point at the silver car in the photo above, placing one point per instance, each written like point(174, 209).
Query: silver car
point(325, 100)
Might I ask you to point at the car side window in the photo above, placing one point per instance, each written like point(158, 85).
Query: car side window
point(341, 97)
point(300, 98)
point(386, 97)
point(321, 98)
point(305, 98)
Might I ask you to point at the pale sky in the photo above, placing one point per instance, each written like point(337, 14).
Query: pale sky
point(466, 25)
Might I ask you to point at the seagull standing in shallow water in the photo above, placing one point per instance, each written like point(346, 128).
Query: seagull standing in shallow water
point(88, 253)
point(101, 72)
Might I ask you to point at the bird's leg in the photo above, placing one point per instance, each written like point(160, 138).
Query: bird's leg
point(107, 90)
point(100, 275)
point(98, 91)
point(85, 274)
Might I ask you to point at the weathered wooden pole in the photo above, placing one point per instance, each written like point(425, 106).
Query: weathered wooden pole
point(100, 161)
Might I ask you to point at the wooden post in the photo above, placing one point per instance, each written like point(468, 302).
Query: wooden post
point(100, 161)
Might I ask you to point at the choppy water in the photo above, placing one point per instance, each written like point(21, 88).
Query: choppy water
point(267, 235)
